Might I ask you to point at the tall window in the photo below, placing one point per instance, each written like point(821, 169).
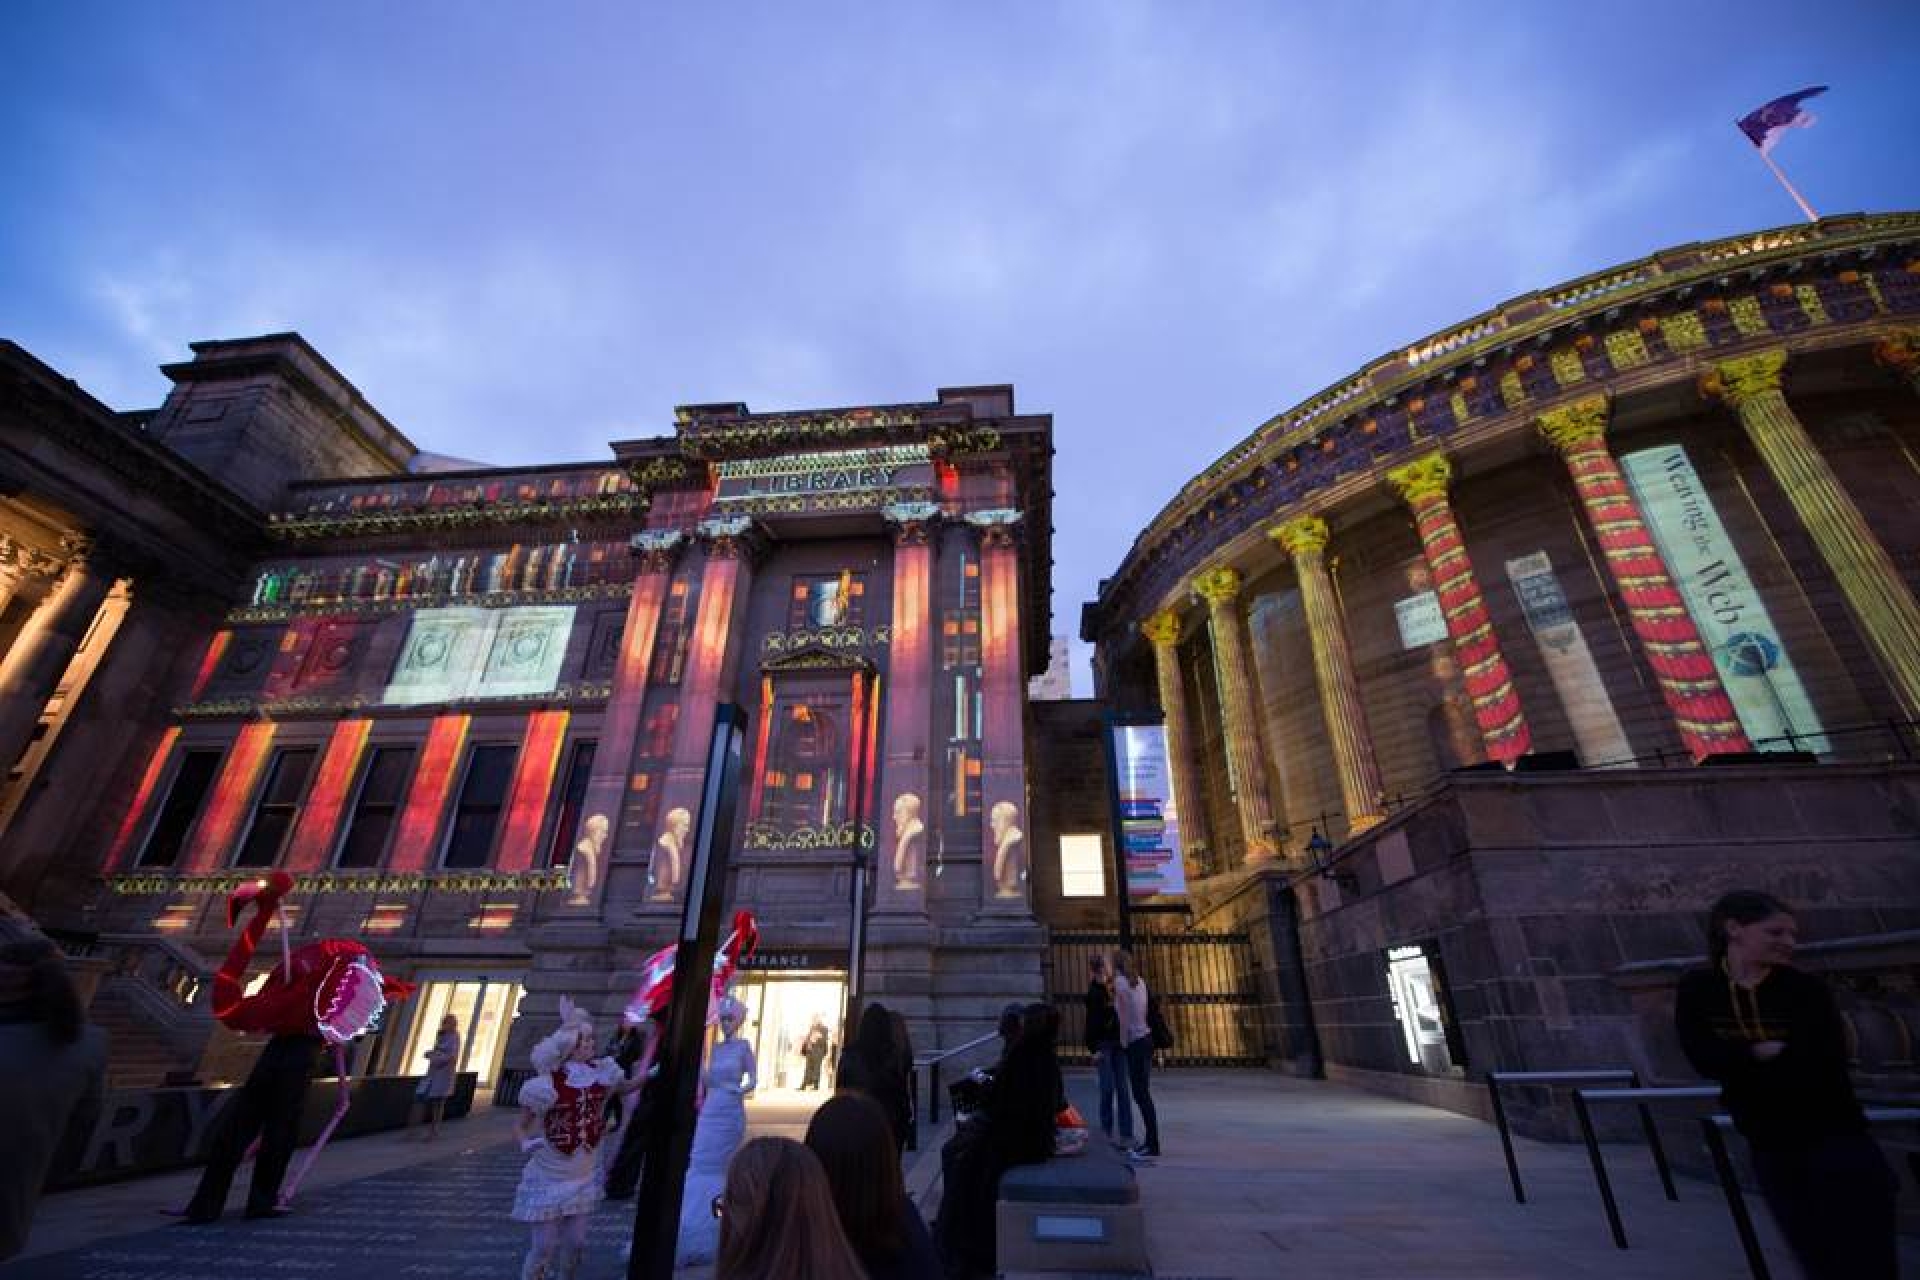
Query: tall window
point(278, 806)
point(573, 794)
point(383, 784)
point(483, 793)
point(806, 765)
point(191, 783)
point(675, 630)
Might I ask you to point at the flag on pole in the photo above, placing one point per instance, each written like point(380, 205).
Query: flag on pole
point(1764, 125)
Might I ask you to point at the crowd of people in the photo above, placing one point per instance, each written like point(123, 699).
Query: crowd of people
point(835, 1204)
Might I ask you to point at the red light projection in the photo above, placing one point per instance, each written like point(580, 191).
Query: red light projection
point(231, 794)
point(427, 800)
point(216, 650)
point(149, 783)
point(320, 818)
point(532, 783)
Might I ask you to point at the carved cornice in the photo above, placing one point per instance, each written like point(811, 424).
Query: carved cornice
point(151, 883)
point(1575, 426)
point(474, 515)
point(657, 549)
point(1301, 536)
point(578, 693)
point(19, 561)
point(732, 437)
point(1734, 382)
point(1162, 629)
point(1422, 480)
point(1217, 586)
point(404, 604)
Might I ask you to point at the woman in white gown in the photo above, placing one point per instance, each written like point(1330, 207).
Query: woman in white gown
point(721, 1128)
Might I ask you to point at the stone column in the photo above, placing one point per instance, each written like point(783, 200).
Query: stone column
point(1688, 679)
point(654, 553)
point(1006, 882)
point(1305, 539)
point(906, 775)
point(1422, 484)
point(1162, 631)
point(33, 666)
point(733, 545)
point(1899, 351)
point(1239, 713)
point(1888, 615)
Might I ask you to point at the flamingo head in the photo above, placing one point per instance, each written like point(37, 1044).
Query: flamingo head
point(266, 891)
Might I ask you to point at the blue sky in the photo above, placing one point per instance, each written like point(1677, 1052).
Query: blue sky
point(525, 230)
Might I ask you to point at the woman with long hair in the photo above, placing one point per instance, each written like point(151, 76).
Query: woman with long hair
point(777, 1218)
point(1136, 1042)
point(855, 1145)
point(872, 1065)
point(1772, 1036)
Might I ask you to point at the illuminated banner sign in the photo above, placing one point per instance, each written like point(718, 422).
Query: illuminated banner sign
point(1570, 665)
point(1420, 621)
point(452, 654)
point(829, 471)
point(1732, 620)
point(1149, 836)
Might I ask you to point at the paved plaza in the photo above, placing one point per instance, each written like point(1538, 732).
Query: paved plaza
point(1264, 1177)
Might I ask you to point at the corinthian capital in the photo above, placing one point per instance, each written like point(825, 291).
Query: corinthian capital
point(1737, 381)
point(1162, 628)
point(1575, 426)
point(732, 537)
point(996, 526)
point(911, 522)
point(1422, 479)
point(1900, 352)
point(655, 549)
point(1217, 586)
point(1300, 536)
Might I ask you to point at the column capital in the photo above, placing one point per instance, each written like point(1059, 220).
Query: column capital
point(1900, 352)
point(732, 537)
point(1422, 479)
point(1217, 586)
point(997, 526)
point(656, 549)
point(911, 522)
point(1574, 426)
point(1301, 536)
point(1162, 628)
point(1737, 381)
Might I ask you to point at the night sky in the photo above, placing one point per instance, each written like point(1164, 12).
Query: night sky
point(525, 230)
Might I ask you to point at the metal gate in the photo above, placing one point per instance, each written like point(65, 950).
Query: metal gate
point(1204, 981)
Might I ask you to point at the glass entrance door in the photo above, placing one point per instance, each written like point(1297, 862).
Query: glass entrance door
point(484, 1008)
point(782, 1010)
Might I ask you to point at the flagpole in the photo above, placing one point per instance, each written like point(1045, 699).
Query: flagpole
point(1791, 190)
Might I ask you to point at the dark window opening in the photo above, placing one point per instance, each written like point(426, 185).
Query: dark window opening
point(573, 795)
point(278, 806)
point(383, 785)
point(483, 793)
point(191, 783)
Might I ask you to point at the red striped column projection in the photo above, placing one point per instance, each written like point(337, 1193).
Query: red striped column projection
point(900, 824)
point(149, 783)
point(231, 795)
point(210, 663)
point(1003, 688)
point(413, 839)
point(532, 784)
point(319, 822)
point(1688, 679)
point(1422, 483)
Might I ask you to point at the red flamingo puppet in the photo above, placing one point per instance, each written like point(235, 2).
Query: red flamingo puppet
point(331, 987)
point(651, 997)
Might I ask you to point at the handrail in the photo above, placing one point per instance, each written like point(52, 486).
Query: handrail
point(1583, 1102)
point(933, 1064)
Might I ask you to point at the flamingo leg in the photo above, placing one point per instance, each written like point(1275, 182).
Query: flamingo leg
point(292, 1184)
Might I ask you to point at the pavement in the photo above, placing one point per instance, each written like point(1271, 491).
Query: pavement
point(1263, 1177)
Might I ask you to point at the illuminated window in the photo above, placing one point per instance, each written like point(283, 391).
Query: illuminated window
point(483, 793)
point(806, 766)
point(1083, 872)
point(573, 796)
point(827, 600)
point(670, 641)
point(278, 806)
point(383, 784)
point(191, 783)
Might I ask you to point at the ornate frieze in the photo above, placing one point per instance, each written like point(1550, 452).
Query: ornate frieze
point(152, 883)
point(733, 537)
point(656, 549)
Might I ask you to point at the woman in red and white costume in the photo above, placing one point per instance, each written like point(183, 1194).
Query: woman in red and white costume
point(562, 1119)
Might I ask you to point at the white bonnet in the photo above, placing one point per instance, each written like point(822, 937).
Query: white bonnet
point(553, 1051)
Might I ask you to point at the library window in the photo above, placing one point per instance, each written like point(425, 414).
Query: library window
point(185, 798)
point(573, 796)
point(277, 808)
point(483, 793)
point(383, 785)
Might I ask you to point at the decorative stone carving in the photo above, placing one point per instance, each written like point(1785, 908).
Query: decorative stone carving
point(732, 537)
point(911, 522)
point(656, 549)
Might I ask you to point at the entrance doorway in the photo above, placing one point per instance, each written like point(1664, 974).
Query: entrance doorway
point(781, 1011)
point(485, 1008)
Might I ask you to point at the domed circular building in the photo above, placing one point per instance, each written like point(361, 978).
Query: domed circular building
point(1492, 600)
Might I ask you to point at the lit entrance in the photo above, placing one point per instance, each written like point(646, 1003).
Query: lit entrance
point(485, 1008)
point(781, 1011)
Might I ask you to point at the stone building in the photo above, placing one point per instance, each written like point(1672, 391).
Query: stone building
point(469, 707)
point(1487, 668)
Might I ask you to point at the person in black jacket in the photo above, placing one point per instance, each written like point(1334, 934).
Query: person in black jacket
point(268, 1107)
point(1109, 1059)
point(872, 1065)
point(1772, 1036)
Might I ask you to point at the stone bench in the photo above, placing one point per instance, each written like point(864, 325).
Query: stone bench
point(1073, 1214)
